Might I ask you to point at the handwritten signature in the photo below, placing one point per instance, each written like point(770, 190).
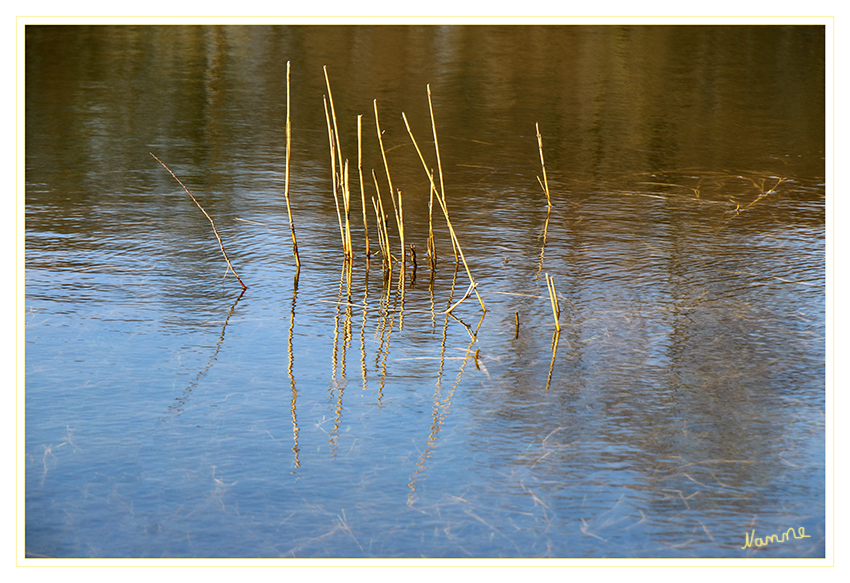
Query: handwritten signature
point(750, 539)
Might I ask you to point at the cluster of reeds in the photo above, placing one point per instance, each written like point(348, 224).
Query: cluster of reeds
point(340, 187)
point(441, 199)
point(341, 192)
point(339, 178)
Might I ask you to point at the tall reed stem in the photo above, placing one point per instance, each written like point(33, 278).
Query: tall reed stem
point(442, 201)
point(432, 247)
point(286, 179)
point(396, 207)
point(387, 253)
point(360, 172)
point(439, 163)
point(333, 115)
point(545, 183)
point(334, 179)
point(215, 231)
point(381, 142)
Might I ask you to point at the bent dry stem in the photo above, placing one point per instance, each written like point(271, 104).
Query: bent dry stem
point(545, 183)
point(442, 200)
point(215, 231)
point(286, 179)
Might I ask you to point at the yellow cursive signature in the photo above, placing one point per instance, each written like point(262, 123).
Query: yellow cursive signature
point(751, 540)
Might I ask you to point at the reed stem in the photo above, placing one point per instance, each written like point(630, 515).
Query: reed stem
point(431, 246)
point(360, 172)
point(439, 163)
point(396, 207)
point(333, 115)
point(442, 201)
point(286, 175)
point(334, 179)
point(346, 199)
point(469, 290)
point(553, 298)
point(543, 246)
point(400, 220)
point(545, 183)
point(387, 253)
point(381, 142)
point(380, 232)
point(215, 231)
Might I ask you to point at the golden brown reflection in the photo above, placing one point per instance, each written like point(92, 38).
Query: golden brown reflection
point(290, 363)
point(363, 328)
point(384, 330)
point(339, 351)
point(400, 296)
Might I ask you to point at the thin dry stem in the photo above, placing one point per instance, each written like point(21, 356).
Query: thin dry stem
point(389, 180)
point(432, 248)
point(333, 114)
point(286, 178)
point(545, 184)
point(388, 254)
point(400, 220)
point(439, 163)
point(543, 246)
point(334, 179)
point(383, 152)
point(553, 298)
point(360, 173)
point(380, 230)
point(215, 231)
point(445, 210)
point(469, 290)
point(346, 199)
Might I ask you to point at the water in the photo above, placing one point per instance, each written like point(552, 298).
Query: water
point(326, 413)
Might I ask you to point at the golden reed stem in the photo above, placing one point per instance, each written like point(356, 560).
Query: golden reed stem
point(545, 183)
point(286, 179)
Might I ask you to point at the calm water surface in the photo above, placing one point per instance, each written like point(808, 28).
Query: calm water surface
point(326, 412)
